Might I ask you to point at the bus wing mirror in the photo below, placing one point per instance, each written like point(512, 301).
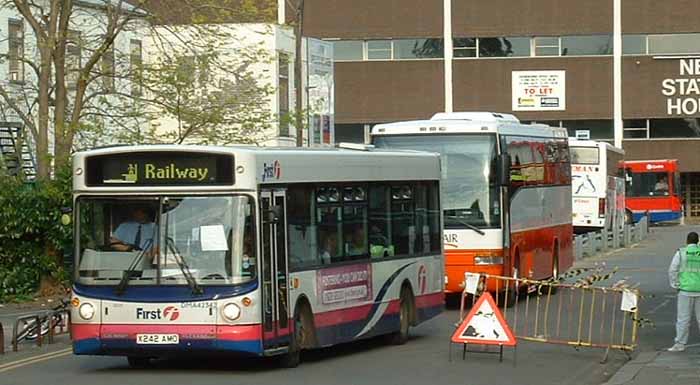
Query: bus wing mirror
point(503, 169)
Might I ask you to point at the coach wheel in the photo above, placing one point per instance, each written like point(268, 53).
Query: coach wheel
point(405, 305)
point(629, 219)
point(138, 362)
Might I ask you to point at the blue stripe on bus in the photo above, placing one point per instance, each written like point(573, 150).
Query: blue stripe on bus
point(154, 293)
point(380, 297)
point(389, 323)
point(94, 346)
point(663, 216)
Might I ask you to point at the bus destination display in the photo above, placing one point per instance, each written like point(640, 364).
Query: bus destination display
point(159, 169)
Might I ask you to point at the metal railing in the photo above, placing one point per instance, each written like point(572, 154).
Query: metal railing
point(592, 243)
point(2, 339)
point(57, 322)
point(578, 314)
point(37, 321)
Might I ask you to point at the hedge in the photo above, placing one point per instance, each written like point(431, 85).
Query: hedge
point(32, 237)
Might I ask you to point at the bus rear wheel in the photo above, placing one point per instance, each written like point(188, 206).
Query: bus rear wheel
point(405, 310)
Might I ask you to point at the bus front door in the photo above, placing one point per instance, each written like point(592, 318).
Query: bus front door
point(275, 296)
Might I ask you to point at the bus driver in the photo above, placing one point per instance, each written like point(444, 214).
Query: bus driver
point(135, 233)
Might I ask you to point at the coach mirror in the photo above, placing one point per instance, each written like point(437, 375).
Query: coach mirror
point(503, 169)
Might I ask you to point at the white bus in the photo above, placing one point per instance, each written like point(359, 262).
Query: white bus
point(597, 185)
point(506, 192)
point(253, 251)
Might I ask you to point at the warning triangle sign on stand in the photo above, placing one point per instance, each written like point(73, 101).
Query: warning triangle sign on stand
point(484, 325)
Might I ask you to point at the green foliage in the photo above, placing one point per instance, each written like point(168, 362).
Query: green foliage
point(32, 238)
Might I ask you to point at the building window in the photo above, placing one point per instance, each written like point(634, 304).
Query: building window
point(634, 44)
point(108, 69)
point(546, 46)
point(136, 64)
point(465, 47)
point(73, 53)
point(16, 50)
point(678, 44)
point(599, 128)
point(674, 128)
point(418, 48)
point(504, 46)
point(348, 50)
point(635, 128)
point(283, 93)
point(379, 50)
point(586, 45)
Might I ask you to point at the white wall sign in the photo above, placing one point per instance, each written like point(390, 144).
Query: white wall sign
point(320, 91)
point(683, 93)
point(539, 90)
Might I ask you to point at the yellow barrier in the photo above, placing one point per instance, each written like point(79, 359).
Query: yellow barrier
point(579, 314)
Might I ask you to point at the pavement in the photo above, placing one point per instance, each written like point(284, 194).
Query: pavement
point(659, 367)
point(653, 365)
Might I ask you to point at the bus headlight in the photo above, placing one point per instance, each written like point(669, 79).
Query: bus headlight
point(488, 260)
point(231, 312)
point(86, 311)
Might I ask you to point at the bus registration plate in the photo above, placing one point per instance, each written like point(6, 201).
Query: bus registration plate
point(157, 339)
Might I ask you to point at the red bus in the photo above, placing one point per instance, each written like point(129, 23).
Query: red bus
point(506, 192)
point(653, 186)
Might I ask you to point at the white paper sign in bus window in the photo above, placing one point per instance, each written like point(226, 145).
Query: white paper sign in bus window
point(539, 90)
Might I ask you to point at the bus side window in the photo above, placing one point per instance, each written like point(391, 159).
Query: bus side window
point(379, 224)
point(303, 249)
point(403, 231)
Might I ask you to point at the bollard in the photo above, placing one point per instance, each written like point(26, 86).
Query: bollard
point(578, 247)
point(616, 237)
point(604, 240)
point(2, 339)
point(628, 236)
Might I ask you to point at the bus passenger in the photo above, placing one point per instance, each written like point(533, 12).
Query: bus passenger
point(357, 244)
point(329, 249)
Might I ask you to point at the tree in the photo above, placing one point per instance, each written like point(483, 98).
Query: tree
point(297, 7)
point(210, 90)
point(60, 82)
point(79, 85)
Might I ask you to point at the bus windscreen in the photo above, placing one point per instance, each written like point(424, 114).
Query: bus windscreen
point(584, 155)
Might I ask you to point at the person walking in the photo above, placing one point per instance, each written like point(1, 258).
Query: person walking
point(684, 276)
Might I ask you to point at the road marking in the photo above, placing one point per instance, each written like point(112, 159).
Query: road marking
point(35, 359)
point(662, 304)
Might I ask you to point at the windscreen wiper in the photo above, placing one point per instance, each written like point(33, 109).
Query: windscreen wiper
point(121, 287)
point(191, 281)
point(467, 224)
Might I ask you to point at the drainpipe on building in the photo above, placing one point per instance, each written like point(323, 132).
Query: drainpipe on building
point(617, 73)
point(447, 31)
